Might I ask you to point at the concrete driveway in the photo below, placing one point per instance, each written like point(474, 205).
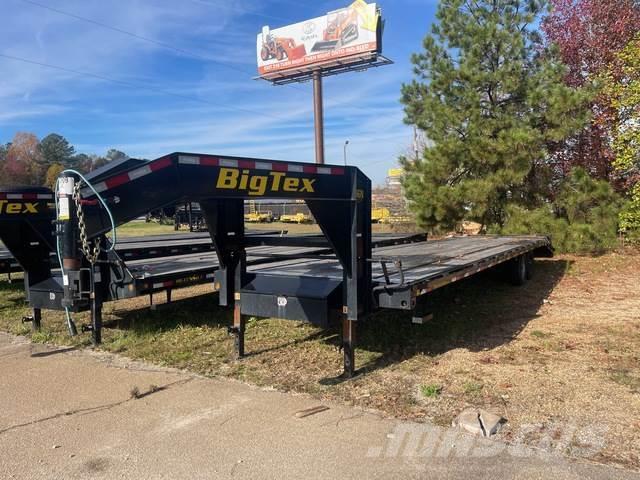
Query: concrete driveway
point(79, 414)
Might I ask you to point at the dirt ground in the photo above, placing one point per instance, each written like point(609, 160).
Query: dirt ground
point(558, 358)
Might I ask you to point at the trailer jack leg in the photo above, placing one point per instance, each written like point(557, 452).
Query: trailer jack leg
point(237, 330)
point(96, 311)
point(96, 322)
point(37, 318)
point(348, 346)
point(34, 319)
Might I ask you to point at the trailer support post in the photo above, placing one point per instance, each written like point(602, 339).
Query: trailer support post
point(239, 326)
point(37, 318)
point(96, 309)
point(348, 345)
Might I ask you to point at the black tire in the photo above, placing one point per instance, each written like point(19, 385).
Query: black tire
point(517, 270)
point(530, 266)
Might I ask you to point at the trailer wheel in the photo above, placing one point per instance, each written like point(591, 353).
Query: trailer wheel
point(517, 270)
point(529, 263)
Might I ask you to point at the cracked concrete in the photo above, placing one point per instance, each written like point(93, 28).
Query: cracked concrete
point(71, 414)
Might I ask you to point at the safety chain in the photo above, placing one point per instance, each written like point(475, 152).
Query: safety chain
point(91, 252)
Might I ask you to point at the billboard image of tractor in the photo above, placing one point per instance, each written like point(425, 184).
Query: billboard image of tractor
point(280, 48)
point(342, 29)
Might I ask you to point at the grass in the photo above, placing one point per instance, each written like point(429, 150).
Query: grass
point(547, 354)
point(472, 388)
point(430, 390)
point(627, 378)
point(539, 334)
point(139, 228)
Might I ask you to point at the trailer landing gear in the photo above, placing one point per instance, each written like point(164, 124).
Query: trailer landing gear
point(348, 346)
point(35, 319)
point(237, 330)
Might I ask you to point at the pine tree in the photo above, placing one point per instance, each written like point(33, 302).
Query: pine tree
point(57, 150)
point(489, 98)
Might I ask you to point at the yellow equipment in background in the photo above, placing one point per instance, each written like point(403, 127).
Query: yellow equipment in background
point(379, 215)
point(255, 216)
point(296, 218)
point(266, 217)
point(396, 219)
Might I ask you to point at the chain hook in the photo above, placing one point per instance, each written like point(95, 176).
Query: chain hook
point(91, 251)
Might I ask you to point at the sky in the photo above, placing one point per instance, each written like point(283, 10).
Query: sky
point(190, 85)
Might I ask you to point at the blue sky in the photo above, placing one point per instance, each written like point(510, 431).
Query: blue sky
point(155, 118)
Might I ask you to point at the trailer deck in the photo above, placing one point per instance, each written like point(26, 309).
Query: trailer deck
point(400, 273)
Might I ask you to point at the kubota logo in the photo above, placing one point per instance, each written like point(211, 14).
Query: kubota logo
point(234, 179)
point(18, 207)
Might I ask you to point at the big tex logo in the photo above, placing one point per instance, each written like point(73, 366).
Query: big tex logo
point(234, 179)
point(18, 207)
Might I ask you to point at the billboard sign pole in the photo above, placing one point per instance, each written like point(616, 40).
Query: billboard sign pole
point(318, 115)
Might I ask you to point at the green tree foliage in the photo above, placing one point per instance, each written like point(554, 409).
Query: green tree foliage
point(630, 216)
point(115, 155)
point(83, 162)
point(623, 90)
point(3, 161)
point(583, 218)
point(56, 149)
point(621, 85)
point(98, 162)
point(489, 98)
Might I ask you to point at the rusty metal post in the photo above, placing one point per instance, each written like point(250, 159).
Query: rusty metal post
point(318, 115)
point(238, 329)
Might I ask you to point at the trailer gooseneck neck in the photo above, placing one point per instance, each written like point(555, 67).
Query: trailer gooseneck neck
point(338, 197)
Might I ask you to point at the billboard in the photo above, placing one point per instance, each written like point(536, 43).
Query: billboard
point(341, 37)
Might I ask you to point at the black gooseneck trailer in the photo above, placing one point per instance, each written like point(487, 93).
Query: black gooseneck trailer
point(341, 274)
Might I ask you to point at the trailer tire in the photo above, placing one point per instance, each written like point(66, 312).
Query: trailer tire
point(529, 266)
point(517, 270)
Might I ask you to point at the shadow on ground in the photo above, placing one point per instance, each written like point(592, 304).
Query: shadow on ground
point(480, 313)
point(199, 311)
